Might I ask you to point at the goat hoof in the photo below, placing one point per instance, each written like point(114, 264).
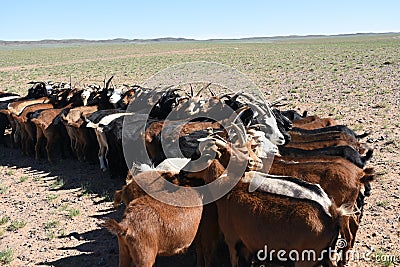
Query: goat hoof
point(104, 169)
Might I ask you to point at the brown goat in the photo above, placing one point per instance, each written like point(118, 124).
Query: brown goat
point(49, 128)
point(208, 238)
point(132, 190)
point(313, 122)
point(83, 140)
point(327, 143)
point(340, 179)
point(150, 228)
point(15, 109)
point(153, 132)
point(300, 137)
point(27, 128)
point(282, 223)
point(54, 135)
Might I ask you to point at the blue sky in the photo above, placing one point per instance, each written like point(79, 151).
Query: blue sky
point(201, 19)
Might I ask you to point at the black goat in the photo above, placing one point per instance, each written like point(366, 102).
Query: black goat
point(345, 152)
point(336, 128)
point(293, 115)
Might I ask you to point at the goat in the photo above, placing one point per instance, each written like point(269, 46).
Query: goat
point(170, 131)
point(297, 137)
point(293, 115)
point(49, 128)
point(266, 119)
point(327, 143)
point(125, 130)
point(208, 229)
point(336, 128)
point(258, 112)
point(150, 228)
point(345, 152)
point(214, 170)
point(260, 218)
point(38, 90)
point(83, 140)
point(156, 103)
point(100, 134)
point(21, 109)
point(5, 99)
point(27, 128)
point(17, 107)
point(186, 133)
point(340, 179)
point(313, 122)
point(102, 118)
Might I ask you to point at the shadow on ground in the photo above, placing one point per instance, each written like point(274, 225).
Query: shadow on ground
point(100, 247)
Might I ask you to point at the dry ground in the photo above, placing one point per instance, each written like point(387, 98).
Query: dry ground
point(58, 207)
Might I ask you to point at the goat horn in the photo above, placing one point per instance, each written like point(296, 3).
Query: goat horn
point(191, 90)
point(236, 95)
point(241, 139)
point(109, 81)
point(219, 141)
point(202, 89)
point(217, 137)
point(212, 93)
point(112, 84)
point(227, 95)
point(252, 98)
point(257, 108)
point(238, 113)
point(277, 101)
point(167, 88)
point(182, 98)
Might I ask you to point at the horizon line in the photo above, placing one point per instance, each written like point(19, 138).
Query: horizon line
point(201, 39)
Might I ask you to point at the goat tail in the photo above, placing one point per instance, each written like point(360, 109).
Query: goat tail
point(117, 198)
point(341, 214)
point(345, 210)
point(368, 155)
point(89, 123)
point(369, 175)
point(359, 136)
point(113, 227)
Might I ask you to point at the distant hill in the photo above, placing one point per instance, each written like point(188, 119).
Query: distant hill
point(84, 41)
point(172, 39)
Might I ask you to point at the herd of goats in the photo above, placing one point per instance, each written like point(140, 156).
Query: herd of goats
point(310, 172)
